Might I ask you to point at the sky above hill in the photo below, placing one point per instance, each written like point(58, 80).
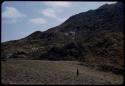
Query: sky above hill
point(21, 18)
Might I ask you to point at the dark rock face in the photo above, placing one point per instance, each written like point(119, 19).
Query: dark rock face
point(90, 37)
point(35, 35)
point(104, 18)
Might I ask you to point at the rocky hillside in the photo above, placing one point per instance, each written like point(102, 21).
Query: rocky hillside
point(94, 37)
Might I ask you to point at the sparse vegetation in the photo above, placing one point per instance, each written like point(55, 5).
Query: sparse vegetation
point(93, 38)
point(54, 72)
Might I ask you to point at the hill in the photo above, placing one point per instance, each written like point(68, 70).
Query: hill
point(94, 37)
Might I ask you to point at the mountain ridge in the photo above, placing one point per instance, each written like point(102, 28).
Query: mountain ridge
point(89, 37)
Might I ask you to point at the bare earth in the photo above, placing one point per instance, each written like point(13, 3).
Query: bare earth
point(54, 72)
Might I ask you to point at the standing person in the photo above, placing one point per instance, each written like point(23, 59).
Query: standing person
point(77, 72)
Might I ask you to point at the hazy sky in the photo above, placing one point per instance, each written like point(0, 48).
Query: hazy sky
point(21, 18)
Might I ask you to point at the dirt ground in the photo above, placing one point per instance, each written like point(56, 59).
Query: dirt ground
point(54, 72)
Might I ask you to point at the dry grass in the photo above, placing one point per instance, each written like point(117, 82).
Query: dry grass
point(53, 72)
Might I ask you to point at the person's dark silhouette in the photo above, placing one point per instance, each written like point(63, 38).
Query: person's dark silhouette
point(77, 72)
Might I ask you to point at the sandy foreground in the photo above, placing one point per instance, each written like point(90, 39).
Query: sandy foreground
point(54, 72)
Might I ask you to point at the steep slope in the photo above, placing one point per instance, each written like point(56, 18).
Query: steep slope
point(90, 37)
point(77, 27)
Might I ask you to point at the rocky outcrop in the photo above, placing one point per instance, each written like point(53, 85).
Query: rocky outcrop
point(93, 37)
